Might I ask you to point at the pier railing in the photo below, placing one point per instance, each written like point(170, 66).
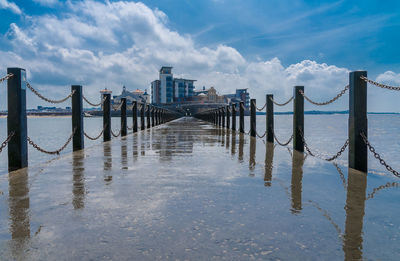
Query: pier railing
point(357, 141)
point(17, 139)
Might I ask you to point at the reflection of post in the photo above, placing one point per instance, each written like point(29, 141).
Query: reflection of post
point(355, 205)
point(19, 206)
point(233, 147)
point(241, 143)
point(135, 149)
point(227, 138)
point(78, 185)
point(142, 141)
point(107, 161)
point(252, 160)
point(124, 154)
point(269, 156)
point(297, 176)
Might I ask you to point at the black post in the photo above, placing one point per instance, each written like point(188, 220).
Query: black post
point(142, 116)
point(223, 117)
point(78, 141)
point(124, 127)
point(358, 122)
point(134, 116)
point(148, 116)
point(228, 117)
point(233, 116)
point(253, 128)
point(219, 117)
point(107, 117)
point(153, 110)
point(298, 119)
point(241, 117)
point(16, 119)
point(270, 118)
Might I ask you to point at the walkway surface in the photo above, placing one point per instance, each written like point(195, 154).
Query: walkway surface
point(188, 191)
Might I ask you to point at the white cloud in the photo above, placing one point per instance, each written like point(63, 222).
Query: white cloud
point(47, 2)
point(389, 77)
point(4, 4)
point(112, 44)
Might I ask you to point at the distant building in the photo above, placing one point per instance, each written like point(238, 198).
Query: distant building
point(169, 90)
point(137, 95)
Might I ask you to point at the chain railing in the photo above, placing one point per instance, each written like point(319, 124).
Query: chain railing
point(116, 135)
point(5, 78)
point(118, 107)
point(281, 143)
point(37, 147)
point(47, 99)
point(261, 136)
point(339, 170)
point(383, 86)
point(97, 137)
point(6, 141)
point(378, 157)
point(93, 104)
point(262, 108)
point(326, 102)
point(387, 185)
point(282, 104)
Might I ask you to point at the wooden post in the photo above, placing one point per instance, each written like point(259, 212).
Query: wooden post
point(228, 117)
point(298, 119)
point(241, 117)
point(124, 127)
point(270, 118)
point(253, 127)
point(358, 122)
point(148, 116)
point(134, 116)
point(233, 116)
point(78, 141)
point(107, 117)
point(16, 119)
point(142, 116)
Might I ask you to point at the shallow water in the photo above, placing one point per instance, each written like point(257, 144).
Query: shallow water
point(186, 190)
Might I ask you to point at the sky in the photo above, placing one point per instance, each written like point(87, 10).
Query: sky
point(265, 46)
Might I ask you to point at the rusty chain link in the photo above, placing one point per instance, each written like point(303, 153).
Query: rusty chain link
point(387, 185)
point(283, 144)
point(5, 78)
point(116, 135)
point(378, 157)
point(281, 104)
point(52, 152)
point(384, 86)
point(342, 149)
point(326, 102)
point(6, 141)
point(339, 170)
point(93, 104)
point(46, 99)
point(97, 137)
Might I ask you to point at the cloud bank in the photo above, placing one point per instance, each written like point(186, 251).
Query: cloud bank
point(110, 44)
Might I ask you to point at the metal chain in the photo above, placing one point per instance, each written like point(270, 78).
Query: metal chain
point(5, 78)
point(263, 107)
point(116, 135)
point(281, 104)
point(4, 143)
point(93, 104)
point(129, 128)
point(118, 107)
point(52, 152)
point(341, 174)
point(283, 144)
point(384, 86)
point(387, 185)
point(262, 136)
point(97, 137)
point(46, 99)
point(326, 102)
point(378, 157)
point(342, 149)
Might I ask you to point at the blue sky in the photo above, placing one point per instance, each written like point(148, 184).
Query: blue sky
point(266, 46)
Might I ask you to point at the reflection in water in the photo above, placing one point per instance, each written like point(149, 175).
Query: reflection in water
point(107, 162)
point(135, 149)
point(252, 159)
point(124, 154)
point(355, 205)
point(142, 145)
point(233, 147)
point(269, 156)
point(241, 143)
point(222, 133)
point(19, 211)
point(297, 176)
point(227, 138)
point(78, 179)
